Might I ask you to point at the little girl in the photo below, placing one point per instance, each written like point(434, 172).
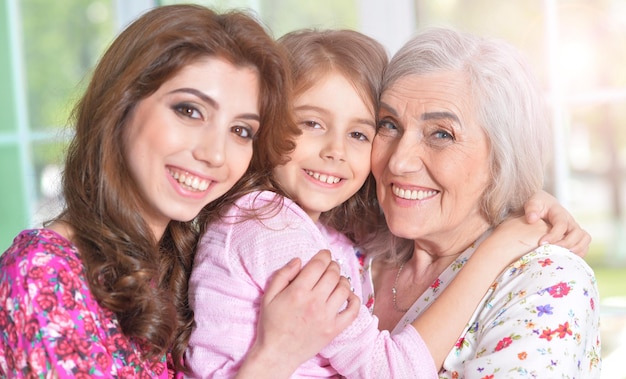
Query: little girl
point(296, 210)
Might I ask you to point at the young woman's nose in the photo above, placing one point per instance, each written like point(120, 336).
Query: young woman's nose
point(210, 147)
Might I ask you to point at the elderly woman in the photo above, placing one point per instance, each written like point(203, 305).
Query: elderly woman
point(461, 145)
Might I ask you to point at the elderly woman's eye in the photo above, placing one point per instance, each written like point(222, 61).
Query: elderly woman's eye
point(387, 128)
point(386, 124)
point(442, 134)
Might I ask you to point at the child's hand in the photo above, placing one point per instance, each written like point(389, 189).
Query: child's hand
point(565, 231)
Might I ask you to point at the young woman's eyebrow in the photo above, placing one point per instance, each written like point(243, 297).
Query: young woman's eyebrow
point(214, 104)
point(203, 96)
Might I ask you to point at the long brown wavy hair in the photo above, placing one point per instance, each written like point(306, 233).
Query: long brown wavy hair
point(142, 279)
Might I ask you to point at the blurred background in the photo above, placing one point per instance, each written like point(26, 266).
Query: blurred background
point(577, 48)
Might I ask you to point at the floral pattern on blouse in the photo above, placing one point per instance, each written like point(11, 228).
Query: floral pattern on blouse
point(540, 319)
point(50, 323)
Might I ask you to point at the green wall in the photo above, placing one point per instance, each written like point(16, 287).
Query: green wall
point(13, 216)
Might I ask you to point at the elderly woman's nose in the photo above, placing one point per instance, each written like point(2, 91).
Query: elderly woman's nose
point(406, 155)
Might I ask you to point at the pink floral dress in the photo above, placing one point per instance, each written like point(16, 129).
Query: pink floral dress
point(49, 322)
point(540, 319)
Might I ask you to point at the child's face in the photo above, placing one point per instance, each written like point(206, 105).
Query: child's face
point(332, 157)
point(191, 140)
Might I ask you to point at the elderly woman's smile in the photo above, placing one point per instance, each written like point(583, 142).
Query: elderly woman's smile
point(431, 159)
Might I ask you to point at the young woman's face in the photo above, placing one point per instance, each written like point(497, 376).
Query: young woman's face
point(332, 157)
point(190, 141)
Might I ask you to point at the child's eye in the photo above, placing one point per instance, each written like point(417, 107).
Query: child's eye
point(188, 110)
point(243, 131)
point(359, 136)
point(311, 124)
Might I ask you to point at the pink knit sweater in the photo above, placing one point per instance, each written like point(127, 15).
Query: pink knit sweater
point(234, 261)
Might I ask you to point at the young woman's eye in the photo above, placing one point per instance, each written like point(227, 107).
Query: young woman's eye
point(243, 131)
point(188, 110)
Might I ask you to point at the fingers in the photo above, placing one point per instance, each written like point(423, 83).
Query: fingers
point(330, 281)
point(538, 206)
point(316, 269)
point(565, 231)
point(281, 279)
point(571, 237)
point(576, 240)
point(332, 288)
point(305, 315)
point(533, 212)
point(560, 225)
point(582, 248)
point(350, 313)
point(320, 277)
point(532, 217)
point(342, 292)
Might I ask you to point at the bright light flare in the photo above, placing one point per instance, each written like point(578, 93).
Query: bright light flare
point(577, 63)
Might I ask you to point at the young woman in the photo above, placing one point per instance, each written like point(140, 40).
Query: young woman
point(290, 212)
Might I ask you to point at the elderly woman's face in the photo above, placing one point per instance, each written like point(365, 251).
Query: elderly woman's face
point(430, 158)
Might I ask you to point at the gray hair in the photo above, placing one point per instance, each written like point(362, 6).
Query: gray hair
point(508, 106)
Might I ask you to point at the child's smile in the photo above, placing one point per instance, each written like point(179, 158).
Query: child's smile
point(331, 160)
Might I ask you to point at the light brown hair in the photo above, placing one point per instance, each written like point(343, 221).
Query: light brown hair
point(360, 59)
point(312, 55)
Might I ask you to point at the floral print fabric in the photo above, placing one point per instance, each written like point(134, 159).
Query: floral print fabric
point(50, 323)
point(540, 319)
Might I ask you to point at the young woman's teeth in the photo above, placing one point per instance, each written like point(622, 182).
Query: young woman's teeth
point(412, 194)
point(323, 178)
point(190, 181)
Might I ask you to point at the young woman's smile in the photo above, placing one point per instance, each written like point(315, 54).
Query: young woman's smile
point(191, 140)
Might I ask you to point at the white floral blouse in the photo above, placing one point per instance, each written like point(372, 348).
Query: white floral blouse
point(540, 319)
